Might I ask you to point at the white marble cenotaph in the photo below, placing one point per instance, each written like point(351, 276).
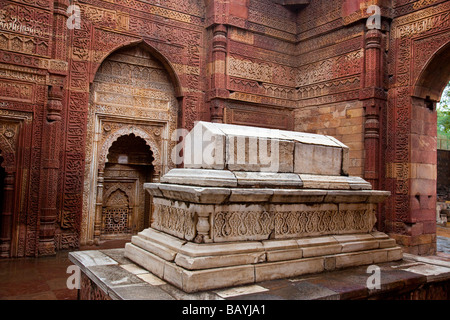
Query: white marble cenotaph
point(254, 204)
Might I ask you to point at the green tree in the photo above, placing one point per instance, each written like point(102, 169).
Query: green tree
point(443, 113)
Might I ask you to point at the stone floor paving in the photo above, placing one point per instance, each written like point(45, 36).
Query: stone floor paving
point(45, 279)
point(404, 278)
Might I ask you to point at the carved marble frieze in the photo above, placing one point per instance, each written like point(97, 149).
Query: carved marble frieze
point(244, 222)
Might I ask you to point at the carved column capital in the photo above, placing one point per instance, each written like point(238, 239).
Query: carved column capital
point(219, 42)
point(54, 102)
point(373, 39)
point(60, 7)
point(217, 110)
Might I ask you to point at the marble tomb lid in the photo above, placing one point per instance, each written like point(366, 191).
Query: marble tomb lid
point(252, 149)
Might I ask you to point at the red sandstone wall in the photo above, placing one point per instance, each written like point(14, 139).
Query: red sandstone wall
point(252, 65)
point(240, 61)
point(330, 75)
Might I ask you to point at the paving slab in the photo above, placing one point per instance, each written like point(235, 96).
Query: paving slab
point(123, 280)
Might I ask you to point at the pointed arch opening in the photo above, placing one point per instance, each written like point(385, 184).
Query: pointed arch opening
point(125, 205)
point(426, 155)
point(133, 111)
point(434, 77)
point(156, 54)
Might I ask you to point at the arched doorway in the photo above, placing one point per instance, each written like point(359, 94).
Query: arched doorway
point(427, 155)
point(126, 206)
point(7, 199)
point(132, 107)
point(443, 159)
point(411, 144)
point(2, 187)
point(2, 181)
point(7, 205)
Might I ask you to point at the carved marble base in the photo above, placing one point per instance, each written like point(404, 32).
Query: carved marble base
point(197, 267)
point(220, 223)
point(213, 237)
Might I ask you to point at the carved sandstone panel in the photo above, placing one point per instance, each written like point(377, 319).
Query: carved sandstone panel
point(344, 65)
point(248, 69)
point(259, 116)
point(24, 28)
point(12, 90)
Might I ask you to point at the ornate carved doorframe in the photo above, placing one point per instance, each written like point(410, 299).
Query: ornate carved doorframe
point(14, 132)
point(132, 93)
point(419, 71)
point(154, 133)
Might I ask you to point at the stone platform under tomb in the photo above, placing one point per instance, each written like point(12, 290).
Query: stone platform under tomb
point(255, 204)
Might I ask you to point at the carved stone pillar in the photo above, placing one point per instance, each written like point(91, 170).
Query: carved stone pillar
point(60, 30)
point(50, 171)
point(374, 100)
point(372, 142)
point(98, 207)
point(217, 108)
point(156, 174)
point(52, 130)
point(7, 215)
point(218, 91)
